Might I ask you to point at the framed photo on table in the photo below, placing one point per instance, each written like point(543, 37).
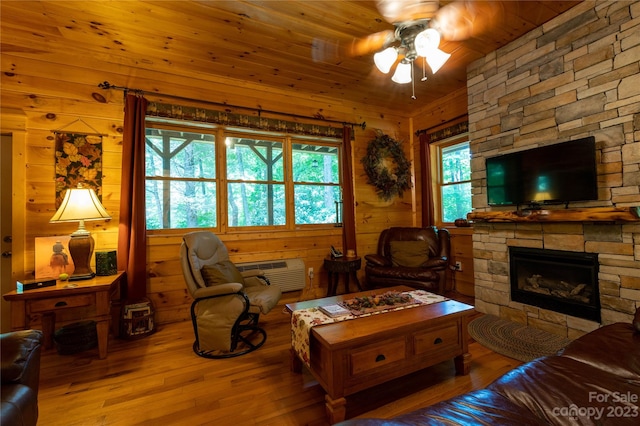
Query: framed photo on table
point(52, 257)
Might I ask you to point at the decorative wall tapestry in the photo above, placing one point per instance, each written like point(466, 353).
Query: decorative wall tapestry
point(389, 181)
point(78, 160)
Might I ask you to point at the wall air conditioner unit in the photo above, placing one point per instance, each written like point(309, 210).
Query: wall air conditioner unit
point(287, 274)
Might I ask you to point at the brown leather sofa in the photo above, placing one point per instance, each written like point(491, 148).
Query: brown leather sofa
point(417, 257)
point(594, 381)
point(20, 353)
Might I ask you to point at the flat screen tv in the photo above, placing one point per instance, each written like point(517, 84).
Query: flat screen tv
point(552, 174)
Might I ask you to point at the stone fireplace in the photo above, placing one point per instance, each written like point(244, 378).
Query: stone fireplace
point(561, 281)
point(576, 76)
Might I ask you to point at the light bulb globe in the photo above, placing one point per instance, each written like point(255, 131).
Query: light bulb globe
point(384, 60)
point(436, 59)
point(427, 41)
point(403, 73)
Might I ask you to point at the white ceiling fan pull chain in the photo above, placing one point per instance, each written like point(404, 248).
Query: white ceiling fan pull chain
point(413, 83)
point(424, 69)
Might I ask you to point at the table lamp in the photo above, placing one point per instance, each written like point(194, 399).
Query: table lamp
point(80, 204)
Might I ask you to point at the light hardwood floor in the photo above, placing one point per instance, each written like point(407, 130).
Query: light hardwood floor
point(158, 380)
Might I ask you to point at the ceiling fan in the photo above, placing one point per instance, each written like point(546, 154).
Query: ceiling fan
point(419, 27)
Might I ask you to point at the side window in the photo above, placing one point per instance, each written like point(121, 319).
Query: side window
point(180, 179)
point(454, 180)
point(316, 183)
point(255, 182)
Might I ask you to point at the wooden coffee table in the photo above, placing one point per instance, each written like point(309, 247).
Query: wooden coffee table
point(349, 356)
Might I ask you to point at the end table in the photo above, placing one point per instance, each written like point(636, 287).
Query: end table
point(94, 294)
point(341, 265)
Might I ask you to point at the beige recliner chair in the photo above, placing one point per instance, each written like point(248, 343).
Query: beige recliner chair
point(227, 303)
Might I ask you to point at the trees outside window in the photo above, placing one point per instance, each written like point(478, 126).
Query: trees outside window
point(268, 181)
point(181, 184)
point(255, 182)
point(316, 182)
point(454, 179)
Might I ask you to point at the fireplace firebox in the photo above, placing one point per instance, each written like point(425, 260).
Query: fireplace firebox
point(561, 281)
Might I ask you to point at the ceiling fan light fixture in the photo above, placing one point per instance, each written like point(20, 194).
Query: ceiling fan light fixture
point(427, 41)
point(384, 60)
point(436, 59)
point(403, 73)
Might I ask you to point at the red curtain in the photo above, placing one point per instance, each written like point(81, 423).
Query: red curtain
point(132, 236)
point(427, 188)
point(348, 199)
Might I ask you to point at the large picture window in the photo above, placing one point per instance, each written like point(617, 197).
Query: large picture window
point(266, 180)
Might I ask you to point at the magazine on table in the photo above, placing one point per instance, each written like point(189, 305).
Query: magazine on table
point(335, 310)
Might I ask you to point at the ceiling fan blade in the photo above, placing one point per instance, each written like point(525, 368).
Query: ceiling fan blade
point(371, 43)
point(327, 51)
point(395, 11)
point(335, 51)
point(461, 20)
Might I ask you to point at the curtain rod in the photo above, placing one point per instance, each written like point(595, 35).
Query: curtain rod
point(419, 132)
point(106, 85)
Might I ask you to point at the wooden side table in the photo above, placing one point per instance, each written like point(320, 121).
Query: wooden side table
point(44, 302)
point(348, 266)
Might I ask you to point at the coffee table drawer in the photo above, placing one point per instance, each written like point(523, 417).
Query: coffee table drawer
point(377, 355)
point(437, 339)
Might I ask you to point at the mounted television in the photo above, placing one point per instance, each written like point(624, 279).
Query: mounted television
point(551, 174)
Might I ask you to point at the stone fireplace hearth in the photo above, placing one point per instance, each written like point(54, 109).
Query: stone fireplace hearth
point(618, 277)
point(561, 281)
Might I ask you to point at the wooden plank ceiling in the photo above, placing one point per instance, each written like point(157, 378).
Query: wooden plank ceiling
point(301, 46)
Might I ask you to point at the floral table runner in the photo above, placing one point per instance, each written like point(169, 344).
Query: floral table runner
point(303, 320)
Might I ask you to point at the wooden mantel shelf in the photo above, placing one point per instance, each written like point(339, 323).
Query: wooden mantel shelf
point(594, 214)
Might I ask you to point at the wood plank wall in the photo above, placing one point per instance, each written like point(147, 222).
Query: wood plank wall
point(54, 91)
point(435, 117)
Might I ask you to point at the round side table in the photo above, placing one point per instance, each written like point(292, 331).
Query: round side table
point(341, 265)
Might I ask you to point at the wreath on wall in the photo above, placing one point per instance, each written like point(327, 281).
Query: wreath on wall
point(388, 183)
